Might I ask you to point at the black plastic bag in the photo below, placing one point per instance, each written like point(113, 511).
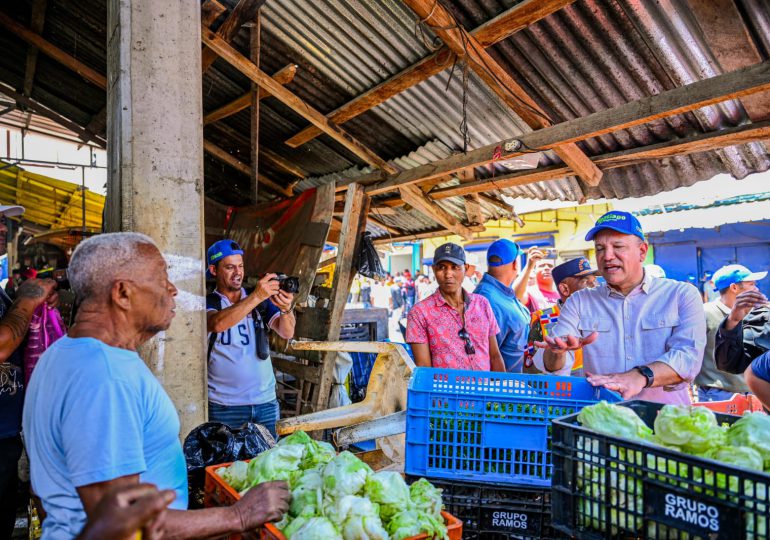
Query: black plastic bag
point(367, 261)
point(212, 443)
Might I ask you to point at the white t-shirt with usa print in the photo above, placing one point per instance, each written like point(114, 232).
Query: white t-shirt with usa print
point(236, 375)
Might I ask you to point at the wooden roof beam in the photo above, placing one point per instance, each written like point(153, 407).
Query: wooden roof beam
point(419, 201)
point(473, 209)
point(211, 11)
point(676, 101)
point(504, 25)
point(433, 233)
point(244, 12)
point(283, 76)
point(467, 47)
point(36, 25)
point(715, 140)
point(228, 159)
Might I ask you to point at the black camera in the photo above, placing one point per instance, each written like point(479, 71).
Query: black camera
point(289, 284)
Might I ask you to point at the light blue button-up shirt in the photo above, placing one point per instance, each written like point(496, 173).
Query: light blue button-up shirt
point(661, 320)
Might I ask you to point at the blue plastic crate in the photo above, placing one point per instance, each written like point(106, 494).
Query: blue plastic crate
point(489, 427)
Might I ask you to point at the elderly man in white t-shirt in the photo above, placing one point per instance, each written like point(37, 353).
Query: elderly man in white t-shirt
point(241, 378)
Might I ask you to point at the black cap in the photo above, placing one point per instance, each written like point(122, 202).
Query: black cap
point(449, 252)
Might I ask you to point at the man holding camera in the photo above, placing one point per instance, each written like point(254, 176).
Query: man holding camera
point(241, 378)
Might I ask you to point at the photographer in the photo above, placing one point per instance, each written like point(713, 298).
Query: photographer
point(241, 379)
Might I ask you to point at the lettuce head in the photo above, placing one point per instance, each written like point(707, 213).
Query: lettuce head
point(314, 528)
point(388, 489)
point(614, 420)
point(694, 429)
point(344, 475)
point(753, 430)
point(426, 497)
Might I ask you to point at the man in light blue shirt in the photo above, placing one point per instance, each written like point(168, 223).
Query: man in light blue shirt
point(512, 317)
point(96, 418)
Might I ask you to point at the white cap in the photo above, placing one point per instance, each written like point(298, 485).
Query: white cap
point(11, 211)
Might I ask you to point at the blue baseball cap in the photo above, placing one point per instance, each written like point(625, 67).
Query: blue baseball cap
point(622, 222)
point(734, 273)
point(573, 268)
point(221, 249)
point(505, 250)
point(449, 252)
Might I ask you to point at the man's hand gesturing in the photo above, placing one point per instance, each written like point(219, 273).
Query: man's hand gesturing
point(565, 343)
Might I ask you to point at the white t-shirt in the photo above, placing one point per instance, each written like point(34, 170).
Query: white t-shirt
point(236, 375)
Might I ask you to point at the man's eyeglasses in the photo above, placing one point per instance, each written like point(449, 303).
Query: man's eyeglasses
point(466, 337)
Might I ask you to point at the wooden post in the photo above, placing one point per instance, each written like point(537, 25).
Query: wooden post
point(353, 222)
point(254, 57)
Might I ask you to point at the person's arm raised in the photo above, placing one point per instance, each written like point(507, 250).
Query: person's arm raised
point(219, 321)
point(14, 326)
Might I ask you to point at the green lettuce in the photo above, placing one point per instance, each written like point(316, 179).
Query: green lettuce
point(614, 420)
point(753, 430)
point(314, 528)
point(306, 495)
point(236, 475)
point(344, 475)
point(426, 497)
point(693, 429)
point(357, 517)
point(415, 522)
point(278, 463)
point(388, 489)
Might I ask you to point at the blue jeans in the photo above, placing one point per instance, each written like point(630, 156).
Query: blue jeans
point(237, 415)
point(708, 393)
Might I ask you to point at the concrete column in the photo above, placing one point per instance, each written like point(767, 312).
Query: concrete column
point(155, 184)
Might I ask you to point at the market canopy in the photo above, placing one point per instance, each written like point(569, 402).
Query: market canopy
point(49, 203)
point(561, 99)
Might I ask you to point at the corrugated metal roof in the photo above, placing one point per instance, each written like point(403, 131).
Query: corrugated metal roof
point(591, 55)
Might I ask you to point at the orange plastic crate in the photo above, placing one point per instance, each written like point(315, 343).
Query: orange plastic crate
point(739, 404)
point(219, 493)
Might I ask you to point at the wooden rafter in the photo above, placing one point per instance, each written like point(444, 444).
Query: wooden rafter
point(676, 101)
point(254, 52)
point(210, 11)
point(244, 12)
point(433, 233)
point(467, 47)
point(283, 76)
point(703, 142)
point(227, 158)
point(473, 208)
point(419, 201)
point(504, 25)
point(36, 25)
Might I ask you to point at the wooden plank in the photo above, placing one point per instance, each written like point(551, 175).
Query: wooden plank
point(42, 110)
point(254, 33)
point(36, 25)
point(473, 209)
point(465, 46)
point(416, 198)
point(379, 223)
point(242, 64)
point(283, 163)
point(225, 157)
point(433, 233)
point(504, 25)
point(243, 12)
point(211, 10)
point(283, 76)
point(53, 51)
point(676, 101)
point(308, 257)
point(703, 142)
point(355, 208)
point(327, 262)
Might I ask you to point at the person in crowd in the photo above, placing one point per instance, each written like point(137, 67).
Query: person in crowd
point(366, 293)
point(15, 316)
point(409, 292)
point(380, 294)
point(744, 334)
point(452, 328)
point(511, 315)
point(526, 279)
point(470, 280)
point(396, 296)
point(642, 337)
point(355, 291)
point(13, 282)
point(570, 276)
point(425, 287)
point(714, 384)
point(241, 378)
point(127, 511)
point(542, 294)
point(96, 417)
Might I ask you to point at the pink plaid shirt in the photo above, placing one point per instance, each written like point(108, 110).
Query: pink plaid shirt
point(436, 323)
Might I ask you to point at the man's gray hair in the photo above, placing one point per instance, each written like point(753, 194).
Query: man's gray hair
point(97, 261)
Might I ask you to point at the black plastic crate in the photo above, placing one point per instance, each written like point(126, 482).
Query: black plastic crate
point(498, 512)
point(607, 487)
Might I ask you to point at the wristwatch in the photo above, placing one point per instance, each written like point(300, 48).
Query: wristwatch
point(648, 374)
